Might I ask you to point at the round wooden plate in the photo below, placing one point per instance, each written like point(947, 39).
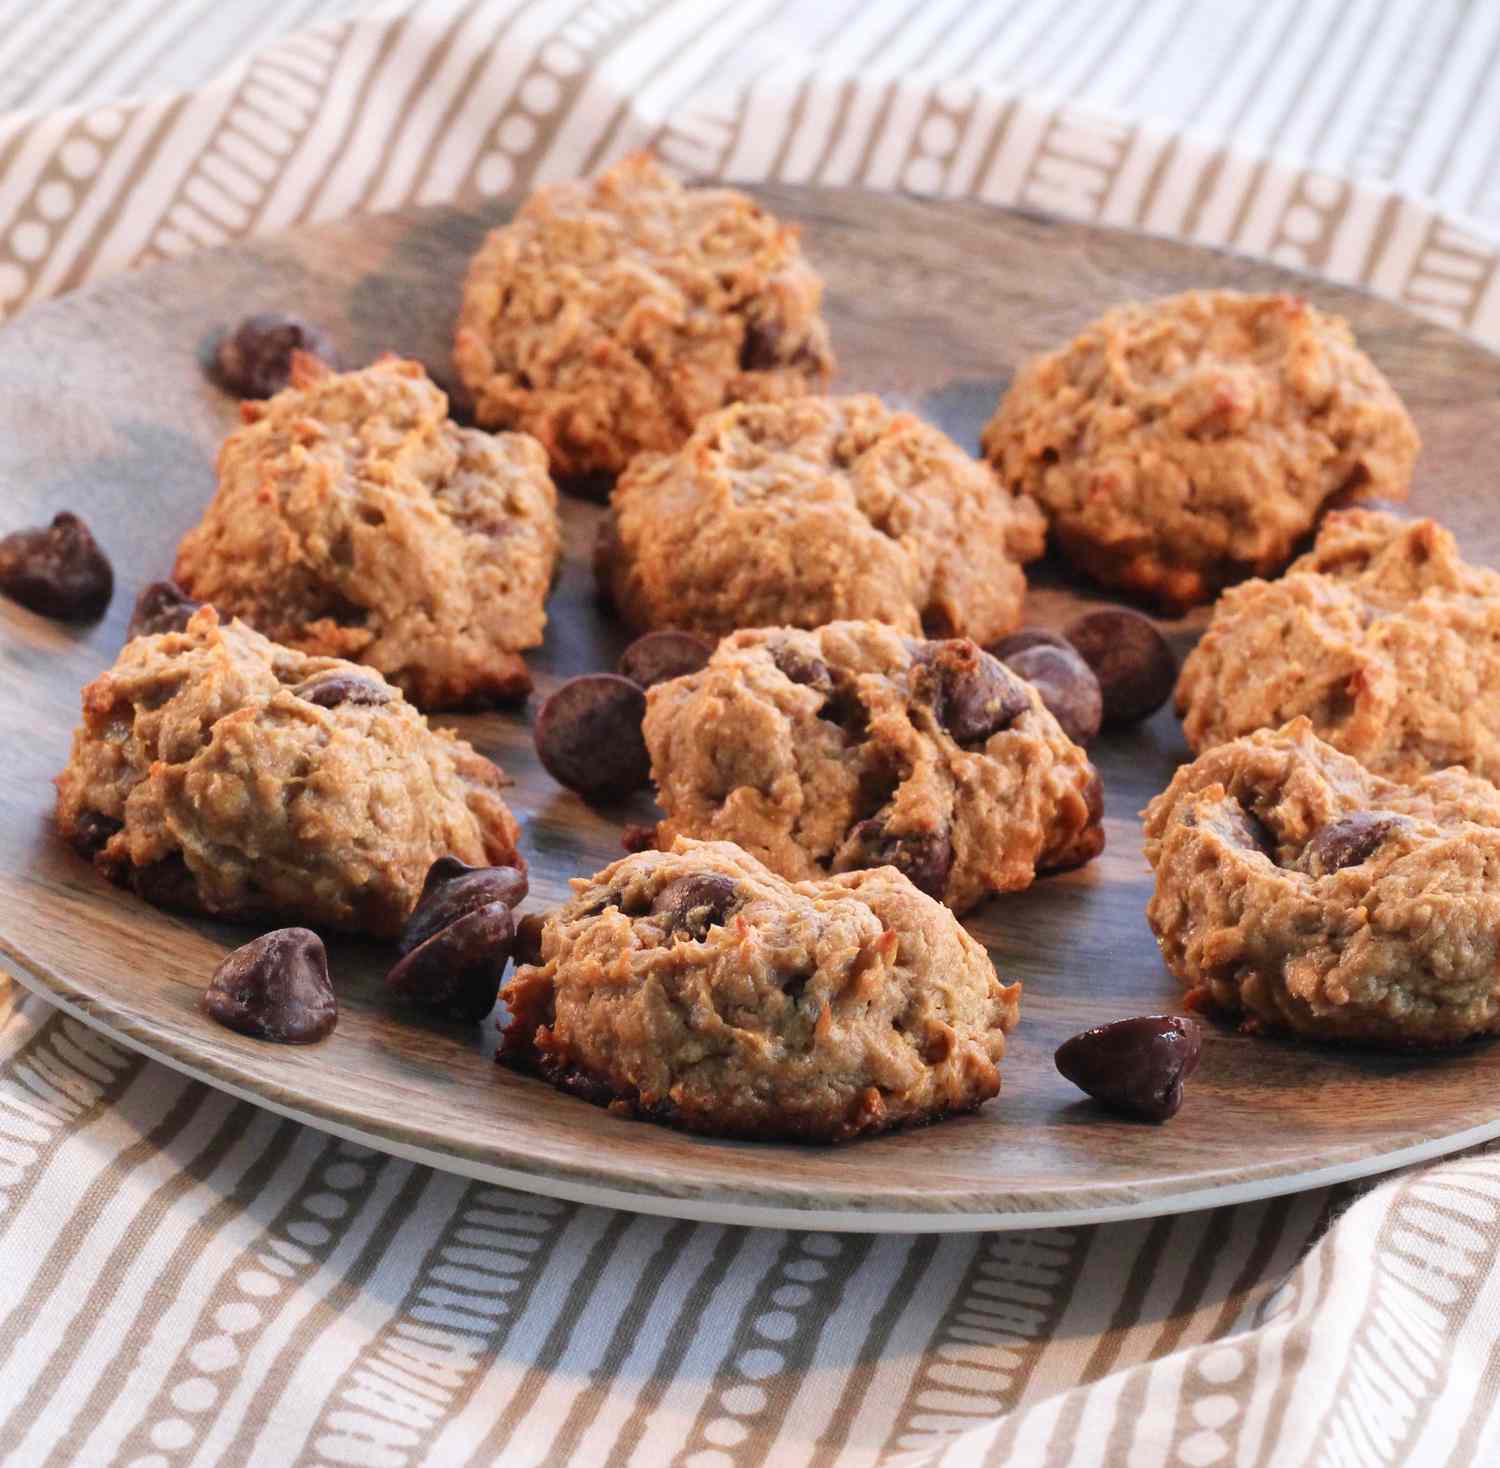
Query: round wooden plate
point(104, 409)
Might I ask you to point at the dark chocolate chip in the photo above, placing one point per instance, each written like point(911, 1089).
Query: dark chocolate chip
point(329, 690)
point(1008, 647)
point(588, 736)
point(1130, 658)
point(58, 571)
point(453, 888)
point(659, 657)
point(802, 667)
point(255, 359)
point(166, 883)
point(275, 988)
point(975, 696)
point(1067, 686)
point(528, 945)
point(1245, 828)
point(761, 349)
point(925, 858)
point(457, 971)
point(163, 606)
point(92, 832)
point(694, 904)
point(1134, 1065)
point(1350, 840)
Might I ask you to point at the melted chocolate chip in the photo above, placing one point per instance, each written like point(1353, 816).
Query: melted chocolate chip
point(92, 832)
point(255, 360)
point(802, 667)
point(457, 970)
point(452, 889)
point(1129, 657)
point(1134, 1065)
point(924, 858)
point(166, 883)
point(163, 606)
point(1350, 840)
point(588, 736)
point(527, 948)
point(696, 903)
point(329, 690)
point(58, 571)
point(975, 697)
point(1244, 828)
point(761, 349)
point(659, 657)
point(275, 988)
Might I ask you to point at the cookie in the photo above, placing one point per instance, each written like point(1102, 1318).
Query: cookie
point(353, 519)
point(696, 988)
point(219, 772)
point(1301, 892)
point(854, 746)
point(1382, 636)
point(1180, 445)
point(609, 315)
point(814, 510)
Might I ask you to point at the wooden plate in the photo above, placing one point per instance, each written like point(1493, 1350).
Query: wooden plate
point(104, 409)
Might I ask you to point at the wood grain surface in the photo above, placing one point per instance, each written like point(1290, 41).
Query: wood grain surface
point(104, 409)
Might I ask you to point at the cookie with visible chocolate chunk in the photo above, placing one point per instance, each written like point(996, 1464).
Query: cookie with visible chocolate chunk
point(696, 988)
point(1298, 891)
point(220, 772)
point(609, 315)
point(854, 746)
point(1181, 444)
point(814, 510)
point(354, 519)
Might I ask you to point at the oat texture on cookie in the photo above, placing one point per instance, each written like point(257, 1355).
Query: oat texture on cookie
point(1298, 891)
point(814, 510)
point(1382, 636)
point(354, 519)
point(610, 314)
point(696, 988)
point(220, 772)
point(1179, 445)
point(856, 746)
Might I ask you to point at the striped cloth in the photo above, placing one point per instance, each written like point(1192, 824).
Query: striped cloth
point(185, 1279)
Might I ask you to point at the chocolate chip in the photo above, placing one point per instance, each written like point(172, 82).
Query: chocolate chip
point(163, 606)
point(1134, 1065)
point(527, 948)
point(802, 667)
point(166, 883)
point(1008, 647)
point(91, 833)
point(1244, 828)
point(638, 836)
point(660, 656)
point(1130, 658)
point(58, 571)
point(255, 360)
point(925, 858)
point(1350, 840)
point(275, 988)
point(453, 888)
point(694, 904)
point(760, 351)
point(588, 736)
point(457, 971)
point(1067, 686)
point(329, 690)
point(975, 696)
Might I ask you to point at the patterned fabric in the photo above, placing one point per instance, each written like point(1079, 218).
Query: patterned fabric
point(187, 1279)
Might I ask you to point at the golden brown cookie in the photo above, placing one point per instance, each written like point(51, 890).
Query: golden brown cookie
point(854, 746)
point(354, 519)
point(1181, 444)
point(1300, 891)
point(1382, 635)
point(814, 510)
point(696, 988)
point(220, 772)
point(610, 314)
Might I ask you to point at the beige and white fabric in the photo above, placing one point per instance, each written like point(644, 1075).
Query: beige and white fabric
point(185, 1279)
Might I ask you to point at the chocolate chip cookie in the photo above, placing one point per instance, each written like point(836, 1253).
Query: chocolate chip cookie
point(1181, 444)
point(1301, 892)
point(1382, 635)
point(609, 315)
point(814, 510)
point(353, 519)
point(696, 988)
point(854, 746)
point(220, 772)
